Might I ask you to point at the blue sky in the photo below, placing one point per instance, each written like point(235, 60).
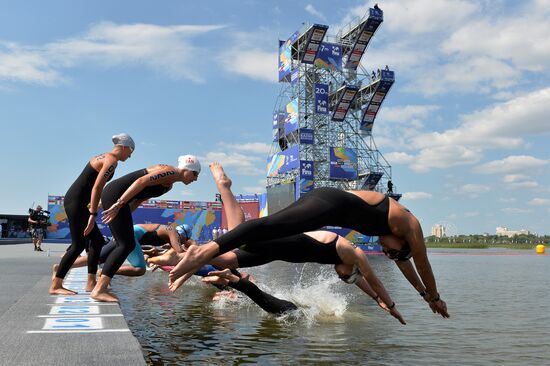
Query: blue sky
point(465, 127)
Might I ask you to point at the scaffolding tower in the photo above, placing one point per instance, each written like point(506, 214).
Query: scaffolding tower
point(325, 111)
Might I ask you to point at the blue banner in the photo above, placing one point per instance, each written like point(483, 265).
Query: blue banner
point(283, 161)
point(329, 57)
point(306, 177)
point(285, 57)
point(343, 163)
point(321, 98)
point(275, 126)
point(306, 136)
point(263, 205)
point(291, 117)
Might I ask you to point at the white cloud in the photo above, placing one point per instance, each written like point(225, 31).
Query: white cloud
point(254, 63)
point(399, 158)
point(416, 195)
point(473, 188)
point(495, 127)
point(471, 214)
point(519, 181)
point(244, 163)
point(420, 16)
point(450, 46)
point(253, 147)
point(514, 210)
point(311, 9)
point(406, 113)
point(248, 158)
point(540, 202)
point(20, 64)
point(511, 164)
point(166, 49)
point(475, 74)
point(504, 38)
point(507, 200)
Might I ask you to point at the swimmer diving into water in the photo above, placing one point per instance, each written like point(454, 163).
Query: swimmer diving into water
point(370, 213)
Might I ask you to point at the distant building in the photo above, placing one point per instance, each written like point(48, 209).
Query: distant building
point(439, 231)
point(503, 231)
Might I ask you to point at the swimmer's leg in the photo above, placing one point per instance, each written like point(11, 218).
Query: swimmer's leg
point(231, 207)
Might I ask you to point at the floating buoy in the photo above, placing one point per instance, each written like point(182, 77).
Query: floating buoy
point(540, 249)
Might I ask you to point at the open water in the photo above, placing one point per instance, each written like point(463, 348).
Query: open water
point(499, 301)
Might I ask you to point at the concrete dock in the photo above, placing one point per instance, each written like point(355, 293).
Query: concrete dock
point(39, 329)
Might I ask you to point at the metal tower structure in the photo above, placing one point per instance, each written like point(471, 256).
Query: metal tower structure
point(325, 111)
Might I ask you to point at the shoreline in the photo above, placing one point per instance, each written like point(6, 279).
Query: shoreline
point(480, 246)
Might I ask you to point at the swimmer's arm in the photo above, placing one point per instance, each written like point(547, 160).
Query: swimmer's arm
point(410, 274)
point(365, 287)
point(369, 275)
point(106, 172)
point(169, 232)
point(150, 179)
point(424, 269)
point(415, 238)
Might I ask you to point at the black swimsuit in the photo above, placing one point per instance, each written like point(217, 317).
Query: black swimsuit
point(299, 248)
point(122, 225)
point(316, 209)
point(76, 203)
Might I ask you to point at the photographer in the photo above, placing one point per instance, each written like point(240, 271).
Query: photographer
point(39, 221)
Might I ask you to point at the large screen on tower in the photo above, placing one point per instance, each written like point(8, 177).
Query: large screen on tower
point(280, 196)
point(343, 163)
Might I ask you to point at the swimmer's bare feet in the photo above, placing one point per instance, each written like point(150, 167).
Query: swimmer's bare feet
point(57, 288)
point(222, 277)
point(103, 296)
point(101, 290)
point(62, 291)
point(222, 180)
point(168, 258)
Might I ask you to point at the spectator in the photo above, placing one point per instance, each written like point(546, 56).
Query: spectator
point(38, 222)
point(390, 186)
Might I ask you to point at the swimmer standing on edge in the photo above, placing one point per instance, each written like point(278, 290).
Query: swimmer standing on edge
point(81, 204)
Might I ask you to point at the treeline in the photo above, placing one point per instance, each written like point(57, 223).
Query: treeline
point(490, 240)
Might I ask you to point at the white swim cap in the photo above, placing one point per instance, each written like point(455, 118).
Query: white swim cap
point(123, 139)
point(189, 162)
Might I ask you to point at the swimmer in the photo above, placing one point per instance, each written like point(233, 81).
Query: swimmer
point(370, 213)
point(81, 204)
point(122, 196)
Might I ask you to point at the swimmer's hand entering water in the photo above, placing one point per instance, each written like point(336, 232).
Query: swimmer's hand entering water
point(392, 310)
point(439, 306)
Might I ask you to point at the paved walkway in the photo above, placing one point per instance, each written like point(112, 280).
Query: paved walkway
point(39, 329)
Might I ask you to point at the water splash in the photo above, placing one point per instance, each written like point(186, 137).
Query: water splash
point(319, 298)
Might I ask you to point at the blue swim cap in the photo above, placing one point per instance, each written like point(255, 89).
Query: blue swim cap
point(184, 230)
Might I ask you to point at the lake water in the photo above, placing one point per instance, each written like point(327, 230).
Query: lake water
point(499, 301)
